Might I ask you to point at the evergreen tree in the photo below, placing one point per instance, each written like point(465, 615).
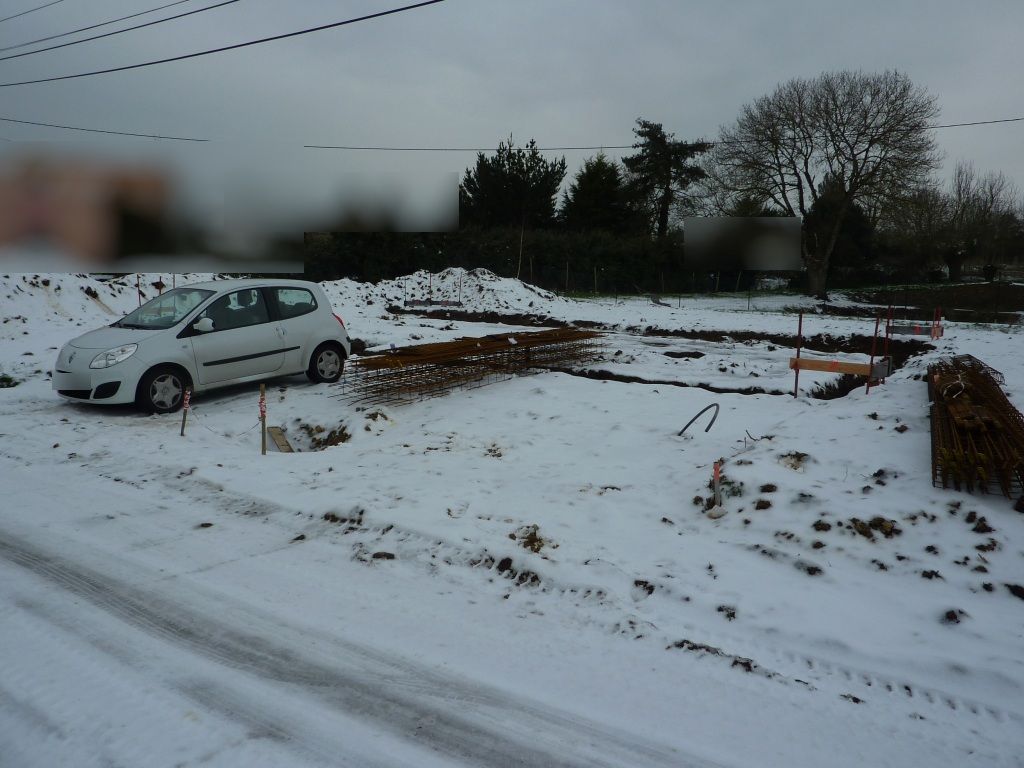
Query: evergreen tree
point(514, 187)
point(597, 199)
point(660, 173)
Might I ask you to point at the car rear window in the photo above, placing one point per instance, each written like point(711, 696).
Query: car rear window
point(294, 302)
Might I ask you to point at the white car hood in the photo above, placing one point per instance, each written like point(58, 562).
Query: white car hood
point(107, 338)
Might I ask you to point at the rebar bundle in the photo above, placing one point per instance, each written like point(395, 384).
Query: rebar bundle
point(405, 374)
point(977, 434)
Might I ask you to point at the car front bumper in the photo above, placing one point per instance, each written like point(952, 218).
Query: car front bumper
point(73, 379)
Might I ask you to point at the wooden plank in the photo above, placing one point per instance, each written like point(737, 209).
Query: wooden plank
point(277, 435)
point(917, 329)
point(879, 371)
point(829, 366)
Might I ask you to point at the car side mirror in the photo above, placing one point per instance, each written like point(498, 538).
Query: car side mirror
point(203, 325)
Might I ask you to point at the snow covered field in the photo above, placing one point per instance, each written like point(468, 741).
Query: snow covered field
point(519, 574)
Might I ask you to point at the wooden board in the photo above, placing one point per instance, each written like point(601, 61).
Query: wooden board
point(279, 439)
point(917, 329)
point(880, 369)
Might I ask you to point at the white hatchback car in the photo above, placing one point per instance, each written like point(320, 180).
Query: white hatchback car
point(203, 336)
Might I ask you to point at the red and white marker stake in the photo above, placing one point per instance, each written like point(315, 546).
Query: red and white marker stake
point(718, 510)
point(184, 409)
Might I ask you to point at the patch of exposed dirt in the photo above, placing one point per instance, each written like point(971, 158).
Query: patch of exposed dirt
point(528, 537)
point(880, 524)
point(599, 375)
point(747, 665)
point(318, 437)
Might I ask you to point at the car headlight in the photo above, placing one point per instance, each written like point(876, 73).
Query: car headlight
point(113, 356)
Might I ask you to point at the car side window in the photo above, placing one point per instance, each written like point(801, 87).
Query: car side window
point(294, 302)
point(237, 310)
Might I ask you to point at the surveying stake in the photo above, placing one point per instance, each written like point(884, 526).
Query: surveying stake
point(184, 409)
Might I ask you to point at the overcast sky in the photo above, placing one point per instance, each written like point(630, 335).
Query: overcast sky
point(471, 72)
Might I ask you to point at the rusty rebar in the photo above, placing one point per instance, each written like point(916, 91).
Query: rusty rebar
point(412, 373)
point(977, 433)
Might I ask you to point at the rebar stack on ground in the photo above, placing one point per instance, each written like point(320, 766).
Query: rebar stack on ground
point(412, 373)
point(977, 434)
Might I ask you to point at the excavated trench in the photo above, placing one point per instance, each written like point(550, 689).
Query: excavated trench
point(900, 350)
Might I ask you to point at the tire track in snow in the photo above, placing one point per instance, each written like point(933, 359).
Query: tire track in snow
point(785, 666)
point(466, 722)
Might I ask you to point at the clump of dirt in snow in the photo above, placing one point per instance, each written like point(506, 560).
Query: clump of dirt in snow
point(794, 460)
point(521, 577)
point(319, 438)
point(953, 616)
point(880, 524)
point(353, 521)
point(747, 665)
point(528, 537)
point(809, 568)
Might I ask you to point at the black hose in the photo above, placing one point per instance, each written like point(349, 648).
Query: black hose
point(710, 423)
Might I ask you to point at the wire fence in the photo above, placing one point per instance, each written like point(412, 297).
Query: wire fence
point(975, 300)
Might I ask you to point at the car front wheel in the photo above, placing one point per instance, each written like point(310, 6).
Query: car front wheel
point(326, 364)
point(162, 390)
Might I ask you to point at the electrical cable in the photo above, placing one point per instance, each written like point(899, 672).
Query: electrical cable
point(100, 130)
point(595, 147)
point(224, 48)
point(30, 10)
point(92, 26)
point(118, 31)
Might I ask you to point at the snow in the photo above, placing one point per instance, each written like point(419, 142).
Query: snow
point(187, 601)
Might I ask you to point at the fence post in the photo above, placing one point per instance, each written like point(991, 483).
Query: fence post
point(871, 365)
point(799, 343)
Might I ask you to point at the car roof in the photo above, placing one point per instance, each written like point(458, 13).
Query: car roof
point(250, 282)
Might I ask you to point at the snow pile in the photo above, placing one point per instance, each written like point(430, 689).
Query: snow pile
point(475, 291)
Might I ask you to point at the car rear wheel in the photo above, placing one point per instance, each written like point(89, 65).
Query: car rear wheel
point(326, 364)
point(162, 390)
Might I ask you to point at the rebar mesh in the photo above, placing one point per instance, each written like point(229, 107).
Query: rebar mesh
point(977, 434)
point(412, 373)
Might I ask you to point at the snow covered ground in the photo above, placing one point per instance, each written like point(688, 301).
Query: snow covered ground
point(519, 574)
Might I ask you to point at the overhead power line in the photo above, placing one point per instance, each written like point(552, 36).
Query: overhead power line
point(457, 149)
point(100, 130)
point(594, 148)
point(371, 148)
point(981, 122)
point(118, 31)
point(92, 26)
point(30, 10)
point(222, 49)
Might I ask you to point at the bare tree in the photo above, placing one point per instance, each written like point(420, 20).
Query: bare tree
point(865, 133)
point(981, 216)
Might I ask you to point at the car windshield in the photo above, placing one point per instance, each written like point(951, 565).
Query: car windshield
point(165, 310)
